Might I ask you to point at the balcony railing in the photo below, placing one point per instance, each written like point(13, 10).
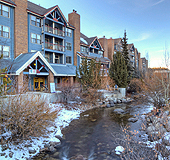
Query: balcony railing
point(54, 31)
point(54, 46)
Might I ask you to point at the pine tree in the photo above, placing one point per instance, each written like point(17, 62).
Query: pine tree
point(88, 74)
point(130, 68)
point(118, 70)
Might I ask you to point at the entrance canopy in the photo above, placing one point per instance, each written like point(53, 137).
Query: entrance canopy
point(32, 62)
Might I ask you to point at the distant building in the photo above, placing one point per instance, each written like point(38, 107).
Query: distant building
point(143, 66)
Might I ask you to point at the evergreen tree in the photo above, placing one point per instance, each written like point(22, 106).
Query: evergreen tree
point(130, 68)
point(118, 70)
point(88, 74)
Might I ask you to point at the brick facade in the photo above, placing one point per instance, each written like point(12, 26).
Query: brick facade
point(104, 42)
point(74, 19)
point(110, 48)
point(21, 27)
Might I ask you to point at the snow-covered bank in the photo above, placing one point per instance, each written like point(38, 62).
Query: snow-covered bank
point(31, 147)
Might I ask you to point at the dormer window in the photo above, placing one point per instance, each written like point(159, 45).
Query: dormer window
point(35, 21)
point(4, 10)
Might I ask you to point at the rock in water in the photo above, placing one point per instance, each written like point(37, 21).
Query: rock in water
point(132, 120)
point(119, 150)
point(119, 111)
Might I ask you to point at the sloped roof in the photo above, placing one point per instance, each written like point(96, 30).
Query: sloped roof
point(64, 70)
point(88, 40)
point(43, 11)
point(9, 1)
point(101, 59)
point(20, 61)
point(23, 60)
point(5, 63)
point(36, 8)
point(130, 46)
point(117, 40)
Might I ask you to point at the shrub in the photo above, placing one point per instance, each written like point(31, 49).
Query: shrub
point(135, 86)
point(26, 115)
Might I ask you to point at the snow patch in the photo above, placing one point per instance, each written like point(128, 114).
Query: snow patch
point(21, 151)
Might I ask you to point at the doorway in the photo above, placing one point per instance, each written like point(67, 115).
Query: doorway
point(39, 82)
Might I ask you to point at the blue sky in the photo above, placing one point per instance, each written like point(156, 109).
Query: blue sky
point(147, 22)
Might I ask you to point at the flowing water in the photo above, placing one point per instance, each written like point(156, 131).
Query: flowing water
point(93, 134)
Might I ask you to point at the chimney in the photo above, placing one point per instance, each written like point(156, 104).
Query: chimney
point(74, 19)
point(20, 27)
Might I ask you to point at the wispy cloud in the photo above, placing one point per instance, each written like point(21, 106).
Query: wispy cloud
point(142, 37)
point(160, 1)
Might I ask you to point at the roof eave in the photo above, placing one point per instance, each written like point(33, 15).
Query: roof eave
point(34, 13)
point(11, 4)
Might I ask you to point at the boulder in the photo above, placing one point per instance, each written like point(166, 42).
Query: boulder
point(167, 124)
point(119, 110)
point(108, 105)
point(166, 138)
point(32, 151)
point(133, 120)
point(150, 129)
point(112, 105)
point(119, 150)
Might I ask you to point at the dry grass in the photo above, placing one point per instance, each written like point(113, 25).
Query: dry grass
point(25, 115)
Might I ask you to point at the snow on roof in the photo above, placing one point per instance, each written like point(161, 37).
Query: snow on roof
point(83, 40)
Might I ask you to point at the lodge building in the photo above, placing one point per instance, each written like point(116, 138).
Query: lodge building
point(39, 46)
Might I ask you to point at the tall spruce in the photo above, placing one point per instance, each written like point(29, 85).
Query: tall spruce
point(130, 68)
point(88, 74)
point(118, 70)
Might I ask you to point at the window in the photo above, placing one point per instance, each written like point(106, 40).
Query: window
point(47, 57)
point(68, 32)
point(4, 50)
point(83, 49)
point(35, 38)
point(4, 31)
point(57, 59)
point(101, 53)
point(68, 59)
point(35, 21)
point(4, 10)
point(68, 46)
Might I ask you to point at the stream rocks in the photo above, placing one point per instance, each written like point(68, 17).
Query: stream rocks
point(158, 129)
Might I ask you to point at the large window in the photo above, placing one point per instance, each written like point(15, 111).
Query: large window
point(68, 32)
point(68, 59)
point(35, 21)
point(4, 31)
point(68, 46)
point(35, 38)
point(4, 50)
point(4, 10)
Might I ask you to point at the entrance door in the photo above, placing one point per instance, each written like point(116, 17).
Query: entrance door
point(38, 83)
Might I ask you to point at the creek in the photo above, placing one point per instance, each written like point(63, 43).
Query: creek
point(93, 134)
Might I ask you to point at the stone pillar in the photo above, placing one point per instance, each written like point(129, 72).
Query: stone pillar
point(71, 81)
point(50, 79)
point(19, 81)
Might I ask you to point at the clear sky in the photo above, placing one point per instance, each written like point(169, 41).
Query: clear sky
point(147, 22)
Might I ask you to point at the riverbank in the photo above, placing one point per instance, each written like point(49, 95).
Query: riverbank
point(51, 142)
point(35, 145)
